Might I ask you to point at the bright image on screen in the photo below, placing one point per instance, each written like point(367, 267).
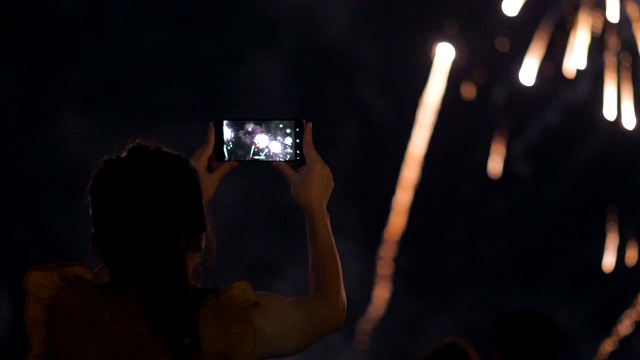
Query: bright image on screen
point(268, 140)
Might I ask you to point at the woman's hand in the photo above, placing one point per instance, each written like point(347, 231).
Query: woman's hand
point(311, 185)
point(209, 170)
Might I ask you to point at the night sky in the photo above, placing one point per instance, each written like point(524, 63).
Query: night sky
point(80, 79)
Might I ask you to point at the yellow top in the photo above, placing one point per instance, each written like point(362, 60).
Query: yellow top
point(106, 328)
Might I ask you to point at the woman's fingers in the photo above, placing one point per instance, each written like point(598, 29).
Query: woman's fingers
point(307, 143)
point(201, 156)
point(209, 170)
point(207, 147)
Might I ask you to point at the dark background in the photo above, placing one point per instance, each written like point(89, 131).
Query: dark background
point(80, 79)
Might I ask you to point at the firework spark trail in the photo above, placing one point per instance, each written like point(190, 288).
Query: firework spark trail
point(497, 154)
point(410, 172)
point(625, 326)
point(627, 103)
point(610, 84)
point(612, 241)
point(575, 57)
point(633, 13)
point(535, 53)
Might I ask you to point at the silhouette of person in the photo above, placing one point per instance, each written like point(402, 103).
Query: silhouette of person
point(148, 227)
point(452, 348)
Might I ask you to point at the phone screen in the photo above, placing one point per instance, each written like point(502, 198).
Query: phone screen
point(259, 140)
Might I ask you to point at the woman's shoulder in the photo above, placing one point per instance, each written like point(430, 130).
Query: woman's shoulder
point(224, 323)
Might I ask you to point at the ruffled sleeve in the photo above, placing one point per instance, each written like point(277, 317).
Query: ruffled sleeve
point(226, 330)
point(43, 284)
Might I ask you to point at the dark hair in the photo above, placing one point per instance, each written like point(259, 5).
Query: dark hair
point(147, 214)
point(452, 348)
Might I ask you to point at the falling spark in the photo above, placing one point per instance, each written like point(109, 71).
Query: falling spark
point(511, 8)
point(568, 67)
point(631, 253)
point(613, 11)
point(410, 172)
point(611, 243)
point(575, 57)
point(535, 53)
point(633, 12)
point(626, 325)
point(583, 37)
point(627, 107)
point(610, 84)
point(497, 154)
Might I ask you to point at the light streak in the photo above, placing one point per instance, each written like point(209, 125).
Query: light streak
point(497, 154)
point(633, 12)
point(627, 106)
point(613, 11)
point(610, 84)
point(583, 37)
point(625, 326)
point(631, 253)
point(612, 241)
point(535, 53)
point(511, 8)
point(568, 67)
point(575, 57)
point(410, 173)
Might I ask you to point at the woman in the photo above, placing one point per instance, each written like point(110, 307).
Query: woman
point(148, 227)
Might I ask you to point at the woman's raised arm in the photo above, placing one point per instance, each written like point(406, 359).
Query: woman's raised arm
point(286, 326)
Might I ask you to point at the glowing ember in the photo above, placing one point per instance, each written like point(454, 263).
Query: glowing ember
point(410, 172)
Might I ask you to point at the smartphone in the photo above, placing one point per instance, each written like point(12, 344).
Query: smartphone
point(259, 140)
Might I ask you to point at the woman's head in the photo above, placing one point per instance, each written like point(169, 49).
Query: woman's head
point(147, 215)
